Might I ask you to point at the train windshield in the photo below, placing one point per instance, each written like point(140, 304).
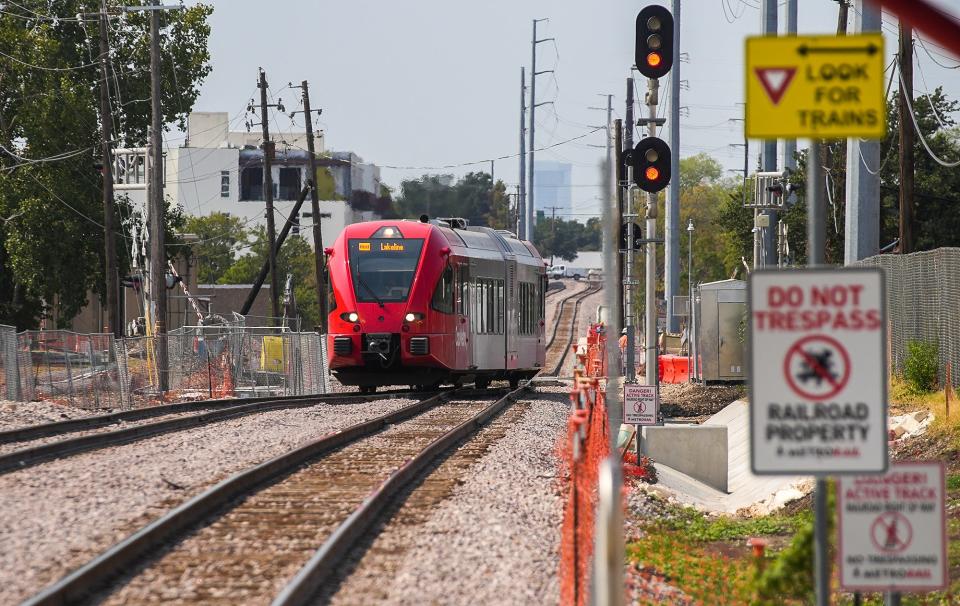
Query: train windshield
point(383, 268)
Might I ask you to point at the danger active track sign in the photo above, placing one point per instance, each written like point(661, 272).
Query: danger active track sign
point(892, 529)
point(818, 386)
point(815, 86)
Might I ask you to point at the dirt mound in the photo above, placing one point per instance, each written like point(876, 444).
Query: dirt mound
point(691, 400)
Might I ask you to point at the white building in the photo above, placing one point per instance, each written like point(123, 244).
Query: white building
point(219, 170)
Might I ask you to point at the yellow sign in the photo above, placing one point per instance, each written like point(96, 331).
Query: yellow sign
point(364, 247)
point(391, 247)
point(821, 87)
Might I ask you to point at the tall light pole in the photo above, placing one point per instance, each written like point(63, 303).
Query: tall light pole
point(689, 298)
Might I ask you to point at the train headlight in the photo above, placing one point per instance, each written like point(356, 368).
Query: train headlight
point(413, 316)
point(350, 316)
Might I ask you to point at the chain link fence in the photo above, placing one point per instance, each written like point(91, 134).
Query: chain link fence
point(99, 372)
point(79, 370)
point(923, 304)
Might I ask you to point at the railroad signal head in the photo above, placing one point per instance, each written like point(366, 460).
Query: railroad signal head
point(651, 164)
point(654, 43)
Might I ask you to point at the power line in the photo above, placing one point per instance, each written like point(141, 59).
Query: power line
point(488, 160)
point(923, 139)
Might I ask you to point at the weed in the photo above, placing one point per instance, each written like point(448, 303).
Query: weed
point(920, 366)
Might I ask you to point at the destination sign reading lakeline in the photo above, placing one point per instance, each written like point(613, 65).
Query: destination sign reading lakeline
point(384, 247)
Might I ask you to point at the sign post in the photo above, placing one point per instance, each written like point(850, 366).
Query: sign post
point(892, 530)
point(818, 379)
point(811, 416)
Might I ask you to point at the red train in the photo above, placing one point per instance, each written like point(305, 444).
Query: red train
point(429, 302)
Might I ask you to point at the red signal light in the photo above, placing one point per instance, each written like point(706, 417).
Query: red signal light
point(654, 59)
point(652, 173)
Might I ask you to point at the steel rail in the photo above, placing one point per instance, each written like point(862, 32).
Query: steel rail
point(28, 457)
point(573, 328)
point(56, 428)
point(123, 556)
point(306, 583)
point(556, 319)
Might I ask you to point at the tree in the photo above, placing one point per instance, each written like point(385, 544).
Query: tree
point(295, 258)
point(935, 187)
point(221, 238)
point(700, 169)
point(501, 215)
point(51, 238)
point(564, 239)
point(440, 196)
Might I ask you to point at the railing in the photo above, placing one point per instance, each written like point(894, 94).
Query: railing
point(97, 371)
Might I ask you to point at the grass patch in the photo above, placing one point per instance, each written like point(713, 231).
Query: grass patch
point(953, 481)
point(693, 525)
point(699, 575)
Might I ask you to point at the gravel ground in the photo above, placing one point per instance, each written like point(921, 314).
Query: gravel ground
point(58, 515)
point(14, 415)
point(495, 539)
point(690, 400)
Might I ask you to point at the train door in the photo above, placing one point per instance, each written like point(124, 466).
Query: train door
point(510, 316)
point(463, 347)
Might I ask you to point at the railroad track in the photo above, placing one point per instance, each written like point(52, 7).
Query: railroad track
point(75, 438)
point(279, 529)
point(565, 327)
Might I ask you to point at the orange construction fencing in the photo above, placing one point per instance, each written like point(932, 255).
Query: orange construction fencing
point(587, 444)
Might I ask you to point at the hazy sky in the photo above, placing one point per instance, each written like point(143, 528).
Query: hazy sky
point(430, 83)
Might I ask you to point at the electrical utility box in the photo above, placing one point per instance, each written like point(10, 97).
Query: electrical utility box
point(720, 316)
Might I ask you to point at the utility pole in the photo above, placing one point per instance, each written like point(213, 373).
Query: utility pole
point(625, 205)
point(318, 254)
point(553, 228)
point(768, 24)
point(862, 219)
point(671, 220)
point(790, 145)
point(106, 124)
point(609, 133)
point(158, 255)
point(523, 231)
point(906, 139)
point(531, 204)
point(650, 353)
point(493, 189)
point(268, 195)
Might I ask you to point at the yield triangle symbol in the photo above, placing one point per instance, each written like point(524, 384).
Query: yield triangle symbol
point(775, 80)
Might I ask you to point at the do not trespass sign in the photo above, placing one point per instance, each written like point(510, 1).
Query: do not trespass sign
point(818, 371)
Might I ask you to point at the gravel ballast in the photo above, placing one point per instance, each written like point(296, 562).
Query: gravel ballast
point(57, 516)
point(14, 415)
point(496, 538)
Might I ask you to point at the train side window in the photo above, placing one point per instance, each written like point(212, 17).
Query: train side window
point(491, 307)
point(482, 295)
point(443, 293)
point(500, 302)
point(464, 286)
point(522, 300)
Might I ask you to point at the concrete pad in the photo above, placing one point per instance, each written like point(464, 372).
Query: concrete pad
point(699, 451)
point(756, 494)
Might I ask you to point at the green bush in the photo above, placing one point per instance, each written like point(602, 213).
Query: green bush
point(920, 366)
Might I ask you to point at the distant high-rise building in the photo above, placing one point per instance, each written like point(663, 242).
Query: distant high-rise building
point(552, 188)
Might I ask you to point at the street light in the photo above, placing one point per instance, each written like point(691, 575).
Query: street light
point(690, 374)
